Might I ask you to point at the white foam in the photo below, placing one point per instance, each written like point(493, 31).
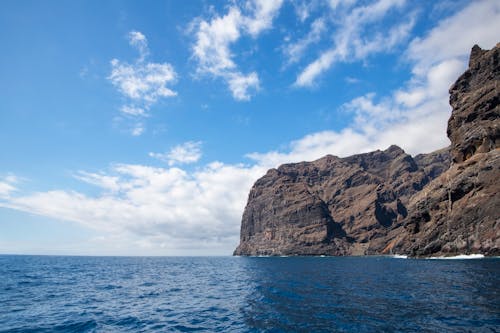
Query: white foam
point(462, 256)
point(400, 256)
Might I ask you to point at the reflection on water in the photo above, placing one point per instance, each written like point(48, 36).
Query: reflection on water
point(367, 294)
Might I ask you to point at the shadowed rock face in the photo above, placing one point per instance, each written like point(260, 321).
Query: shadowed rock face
point(459, 212)
point(333, 206)
point(387, 201)
point(456, 213)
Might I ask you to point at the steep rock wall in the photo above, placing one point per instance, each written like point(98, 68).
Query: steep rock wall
point(387, 201)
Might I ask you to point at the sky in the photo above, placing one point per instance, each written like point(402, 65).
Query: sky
point(139, 127)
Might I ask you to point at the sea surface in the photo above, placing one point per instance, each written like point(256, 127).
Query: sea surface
point(237, 294)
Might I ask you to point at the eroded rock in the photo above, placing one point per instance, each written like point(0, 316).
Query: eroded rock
point(388, 201)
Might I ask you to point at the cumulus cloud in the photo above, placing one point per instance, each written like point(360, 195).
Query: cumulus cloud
point(185, 153)
point(212, 48)
point(357, 35)
point(142, 83)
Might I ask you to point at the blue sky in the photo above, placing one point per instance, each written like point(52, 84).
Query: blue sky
point(138, 128)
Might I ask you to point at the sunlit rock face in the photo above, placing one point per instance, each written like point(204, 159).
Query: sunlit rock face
point(473, 126)
point(459, 212)
point(387, 201)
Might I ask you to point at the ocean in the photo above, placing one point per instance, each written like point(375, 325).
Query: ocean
point(239, 294)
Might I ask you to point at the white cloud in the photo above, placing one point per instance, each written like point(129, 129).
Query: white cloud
point(352, 80)
point(212, 48)
point(110, 183)
point(240, 84)
point(163, 210)
point(303, 8)
point(478, 23)
point(262, 15)
point(334, 4)
point(313, 70)
point(185, 153)
point(138, 129)
point(294, 51)
point(139, 41)
point(383, 41)
point(141, 83)
point(7, 185)
point(357, 36)
point(415, 116)
point(133, 110)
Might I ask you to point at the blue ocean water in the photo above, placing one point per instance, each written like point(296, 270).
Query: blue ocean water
point(236, 294)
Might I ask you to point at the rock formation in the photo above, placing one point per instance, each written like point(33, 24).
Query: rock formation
point(383, 202)
point(459, 212)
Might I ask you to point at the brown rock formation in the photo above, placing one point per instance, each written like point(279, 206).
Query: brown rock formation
point(459, 212)
point(473, 125)
point(386, 201)
point(333, 206)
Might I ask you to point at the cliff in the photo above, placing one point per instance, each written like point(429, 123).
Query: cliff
point(382, 202)
point(459, 212)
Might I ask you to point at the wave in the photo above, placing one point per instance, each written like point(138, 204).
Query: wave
point(461, 257)
point(399, 256)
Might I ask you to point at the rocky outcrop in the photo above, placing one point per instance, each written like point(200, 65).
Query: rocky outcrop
point(334, 206)
point(459, 212)
point(473, 126)
point(388, 201)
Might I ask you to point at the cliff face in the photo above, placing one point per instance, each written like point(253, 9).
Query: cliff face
point(333, 206)
point(387, 201)
point(459, 212)
point(474, 126)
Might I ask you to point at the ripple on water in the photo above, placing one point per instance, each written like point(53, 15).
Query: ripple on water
point(89, 294)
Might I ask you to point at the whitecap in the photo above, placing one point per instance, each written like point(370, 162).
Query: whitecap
point(462, 256)
point(399, 256)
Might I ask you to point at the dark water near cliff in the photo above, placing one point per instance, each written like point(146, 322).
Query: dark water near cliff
point(117, 294)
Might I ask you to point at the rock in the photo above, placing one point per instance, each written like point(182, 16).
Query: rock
point(435, 163)
point(473, 125)
point(387, 201)
point(329, 205)
point(459, 210)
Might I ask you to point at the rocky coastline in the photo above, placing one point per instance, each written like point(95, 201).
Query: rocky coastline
point(443, 203)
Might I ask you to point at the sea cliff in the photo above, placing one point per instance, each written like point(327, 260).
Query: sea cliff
point(387, 202)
